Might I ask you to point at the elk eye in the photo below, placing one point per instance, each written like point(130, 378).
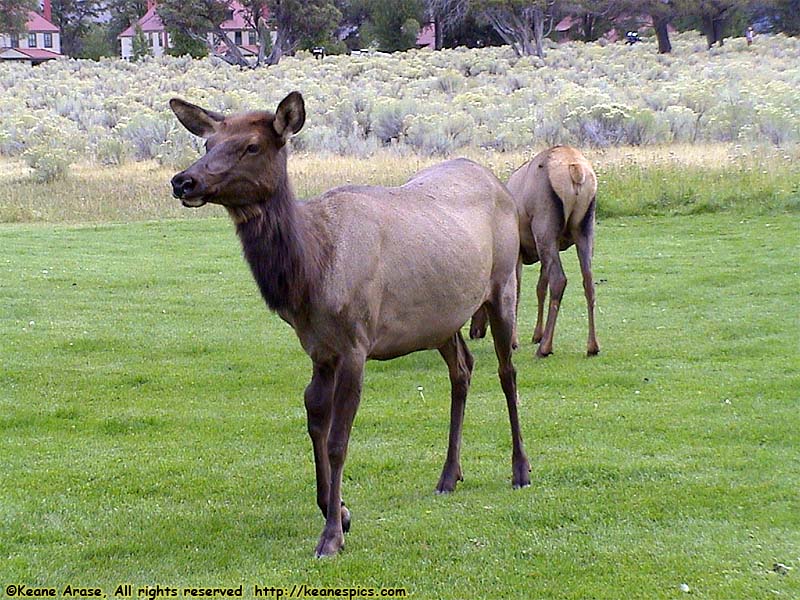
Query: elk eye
point(252, 149)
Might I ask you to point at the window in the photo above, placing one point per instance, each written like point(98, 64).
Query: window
point(48, 40)
point(14, 40)
point(229, 14)
point(237, 38)
point(251, 38)
point(31, 40)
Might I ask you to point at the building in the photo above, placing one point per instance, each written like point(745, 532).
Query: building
point(41, 42)
point(427, 37)
point(235, 27)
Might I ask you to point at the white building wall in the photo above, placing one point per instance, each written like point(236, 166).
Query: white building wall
point(126, 47)
point(5, 41)
point(156, 45)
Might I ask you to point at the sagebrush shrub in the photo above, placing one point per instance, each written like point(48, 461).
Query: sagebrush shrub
point(591, 94)
point(48, 163)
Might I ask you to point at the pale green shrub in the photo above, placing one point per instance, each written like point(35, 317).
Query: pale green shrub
point(146, 134)
point(48, 163)
point(681, 123)
point(600, 125)
point(450, 82)
point(440, 133)
point(581, 93)
point(389, 118)
point(176, 153)
point(111, 151)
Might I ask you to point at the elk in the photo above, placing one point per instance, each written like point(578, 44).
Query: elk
point(364, 273)
point(555, 193)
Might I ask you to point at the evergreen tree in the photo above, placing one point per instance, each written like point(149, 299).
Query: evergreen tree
point(141, 47)
point(394, 24)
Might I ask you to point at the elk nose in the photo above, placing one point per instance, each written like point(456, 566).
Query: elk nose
point(183, 185)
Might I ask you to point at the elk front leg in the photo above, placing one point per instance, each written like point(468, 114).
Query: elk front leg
point(318, 400)
point(346, 398)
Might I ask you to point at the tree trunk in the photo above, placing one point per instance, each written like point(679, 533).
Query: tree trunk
point(719, 28)
point(233, 55)
point(263, 41)
point(278, 47)
point(538, 31)
point(660, 24)
point(714, 27)
point(588, 22)
point(438, 33)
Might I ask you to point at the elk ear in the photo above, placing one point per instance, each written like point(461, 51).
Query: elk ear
point(290, 116)
point(199, 121)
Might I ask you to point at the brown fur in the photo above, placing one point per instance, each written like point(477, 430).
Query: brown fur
point(555, 193)
point(364, 273)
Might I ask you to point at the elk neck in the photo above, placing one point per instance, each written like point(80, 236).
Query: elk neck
point(284, 255)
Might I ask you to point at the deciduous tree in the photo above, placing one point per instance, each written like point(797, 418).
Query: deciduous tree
point(74, 17)
point(14, 15)
point(300, 22)
point(123, 13)
point(523, 24)
point(196, 19)
point(446, 15)
point(787, 16)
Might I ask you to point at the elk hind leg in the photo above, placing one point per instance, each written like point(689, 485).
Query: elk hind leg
point(584, 243)
point(557, 282)
point(477, 326)
point(541, 297)
point(459, 363)
point(502, 318)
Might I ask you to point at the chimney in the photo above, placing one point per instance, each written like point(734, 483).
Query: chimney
point(47, 11)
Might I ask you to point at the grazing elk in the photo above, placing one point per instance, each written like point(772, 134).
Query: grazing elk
point(364, 273)
point(555, 196)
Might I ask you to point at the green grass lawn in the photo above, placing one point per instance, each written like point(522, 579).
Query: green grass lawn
point(153, 429)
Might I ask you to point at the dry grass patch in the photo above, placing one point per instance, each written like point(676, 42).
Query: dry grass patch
point(633, 180)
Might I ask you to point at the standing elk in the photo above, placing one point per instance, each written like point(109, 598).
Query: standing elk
point(555, 193)
point(364, 273)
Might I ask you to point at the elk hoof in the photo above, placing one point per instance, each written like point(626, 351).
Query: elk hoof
point(329, 544)
point(593, 351)
point(543, 353)
point(345, 518)
point(448, 480)
point(522, 475)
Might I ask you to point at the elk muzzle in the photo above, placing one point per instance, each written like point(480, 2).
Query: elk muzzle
point(187, 189)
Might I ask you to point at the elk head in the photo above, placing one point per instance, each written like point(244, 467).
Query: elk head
point(245, 159)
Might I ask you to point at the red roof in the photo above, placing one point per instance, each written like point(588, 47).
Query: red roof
point(149, 22)
point(27, 54)
point(37, 23)
point(427, 36)
point(566, 23)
